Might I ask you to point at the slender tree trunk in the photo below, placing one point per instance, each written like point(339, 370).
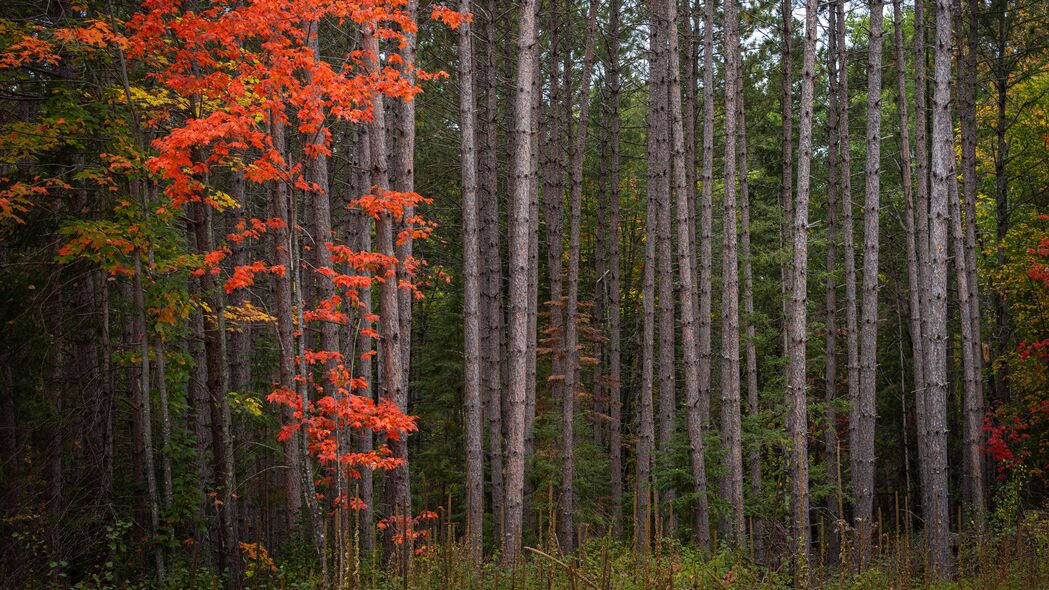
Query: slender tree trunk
point(787, 186)
point(402, 179)
point(686, 255)
point(974, 403)
point(731, 424)
point(471, 295)
point(281, 209)
point(145, 419)
point(921, 197)
point(659, 180)
point(913, 273)
point(706, 222)
point(396, 481)
point(566, 516)
point(614, 383)
point(797, 332)
point(361, 229)
point(518, 316)
point(221, 436)
point(938, 513)
point(492, 302)
point(972, 406)
point(830, 391)
point(848, 243)
point(861, 446)
point(646, 411)
point(533, 307)
point(1001, 70)
point(749, 330)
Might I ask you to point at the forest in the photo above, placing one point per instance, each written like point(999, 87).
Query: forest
point(524, 294)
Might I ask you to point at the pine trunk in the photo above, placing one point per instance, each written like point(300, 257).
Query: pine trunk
point(797, 332)
point(937, 514)
point(686, 255)
point(471, 295)
point(518, 317)
point(731, 423)
point(863, 412)
point(566, 516)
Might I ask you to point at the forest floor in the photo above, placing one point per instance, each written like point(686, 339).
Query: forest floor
point(1007, 557)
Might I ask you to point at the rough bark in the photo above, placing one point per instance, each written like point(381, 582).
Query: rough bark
point(938, 513)
point(974, 403)
point(402, 179)
point(749, 330)
point(921, 234)
point(471, 294)
point(831, 457)
point(686, 255)
point(492, 302)
point(706, 222)
point(848, 243)
point(787, 185)
point(281, 208)
point(913, 272)
point(217, 387)
point(566, 507)
point(518, 316)
point(862, 414)
point(396, 481)
point(972, 406)
point(659, 180)
point(731, 424)
point(361, 230)
point(646, 411)
point(797, 327)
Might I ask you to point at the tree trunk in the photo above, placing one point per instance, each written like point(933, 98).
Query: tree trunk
point(862, 416)
point(518, 316)
point(218, 402)
point(281, 209)
point(921, 192)
point(402, 179)
point(471, 295)
point(797, 332)
point(731, 424)
point(659, 176)
point(848, 243)
point(913, 273)
point(749, 331)
point(566, 516)
point(972, 424)
point(361, 229)
point(615, 438)
point(830, 391)
point(396, 481)
point(974, 404)
point(938, 513)
point(787, 186)
point(706, 222)
point(492, 302)
point(145, 420)
point(646, 412)
point(686, 255)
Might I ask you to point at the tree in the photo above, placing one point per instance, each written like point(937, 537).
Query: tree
point(686, 253)
point(862, 416)
point(797, 328)
point(471, 293)
point(731, 437)
point(942, 142)
point(518, 313)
